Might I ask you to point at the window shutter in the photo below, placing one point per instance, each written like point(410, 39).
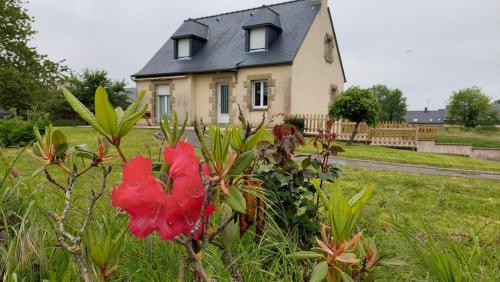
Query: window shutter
point(183, 46)
point(258, 38)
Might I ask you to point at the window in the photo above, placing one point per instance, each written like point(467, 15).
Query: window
point(329, 44)
point(259, 94)
point(258, 39)
point(183, 48)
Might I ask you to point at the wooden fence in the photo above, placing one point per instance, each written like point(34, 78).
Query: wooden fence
point(388, 133)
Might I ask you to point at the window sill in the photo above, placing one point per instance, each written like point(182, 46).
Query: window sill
point(257, 51)
point(258, 109)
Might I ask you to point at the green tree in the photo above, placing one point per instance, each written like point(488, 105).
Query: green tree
point(83, 87)
point(392, 103)
point(469, 107)
point(25, 75)
point(357, 105)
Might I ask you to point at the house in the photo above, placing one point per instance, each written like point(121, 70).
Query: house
point(425, 116)
point(281, 58)
point(131, 93)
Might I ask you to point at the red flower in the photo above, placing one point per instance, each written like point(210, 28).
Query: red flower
point(151, 209)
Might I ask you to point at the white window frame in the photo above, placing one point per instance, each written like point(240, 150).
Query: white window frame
point(186, 45)
point(262, 94)
point(254, 32)
point(159, 116)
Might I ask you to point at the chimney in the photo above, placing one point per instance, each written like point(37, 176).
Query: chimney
point(425, 111)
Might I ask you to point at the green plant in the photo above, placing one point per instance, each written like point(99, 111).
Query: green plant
point(357, 105)
point(105, 243)
point(18, 132)
point(342, 255)
point(298, 122)
point(289, 183)
point(392, 103)
point(449, 260)
point(469, 107)
point(53, 149)
point(111, 123)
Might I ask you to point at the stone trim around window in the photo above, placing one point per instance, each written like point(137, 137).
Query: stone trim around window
point(333, 92)
point(247, 99)
point(329, 46)
point(153, 98)
point(212, 99)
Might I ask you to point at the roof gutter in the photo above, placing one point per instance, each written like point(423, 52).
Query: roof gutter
point(159, 77)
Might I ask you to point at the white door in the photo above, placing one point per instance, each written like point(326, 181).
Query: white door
point(163, 100)
point(223, 103)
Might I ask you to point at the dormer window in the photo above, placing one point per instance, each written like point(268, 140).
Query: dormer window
point(262, 27)
point(183, 48)
point(257, 39)
point(189, 39)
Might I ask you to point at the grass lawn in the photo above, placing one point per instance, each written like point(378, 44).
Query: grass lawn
point(390, 155)
point(459, 209)
point(484, 139)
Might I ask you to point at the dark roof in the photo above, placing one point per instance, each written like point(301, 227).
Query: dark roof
point(225, 48)
point(131, 93)
point(192, 28)
point(262, 17)
point(425, 116)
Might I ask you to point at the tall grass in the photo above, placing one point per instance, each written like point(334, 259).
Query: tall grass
point(470, 258)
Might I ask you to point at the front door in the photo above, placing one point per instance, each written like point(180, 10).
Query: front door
point(163, 100)
point(223, 103)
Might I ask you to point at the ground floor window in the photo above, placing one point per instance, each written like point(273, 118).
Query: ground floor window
point(259, 94)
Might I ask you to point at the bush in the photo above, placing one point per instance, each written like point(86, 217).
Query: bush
point(67, 122)
point(298, 122)
point(17, 131)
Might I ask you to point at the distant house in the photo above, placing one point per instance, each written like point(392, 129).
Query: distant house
point(281, 58)
point(425, 116)
point(131, 93)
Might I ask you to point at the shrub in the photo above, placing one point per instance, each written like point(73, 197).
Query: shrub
point(17, 131)
point(298, 122)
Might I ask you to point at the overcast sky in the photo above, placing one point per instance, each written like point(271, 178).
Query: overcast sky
point(427, 48)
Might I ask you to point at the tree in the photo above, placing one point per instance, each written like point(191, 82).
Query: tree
point(83, 87)
point(392, 103)
point(25, 75)
point(469, 107)
point(357, 105)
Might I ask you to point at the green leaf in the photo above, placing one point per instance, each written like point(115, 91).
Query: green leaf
point(322, 196)
point(252, 141)
point(242, 162)
point(236, 200)
point(135, 105)
point(340, 215)
point(36, 149)
point(231, 233)
point(345, 277)
point(104, 112)
point(319, 272)
point(84, 148)
point(360, 199)
point(236, 142)
point(61, 148)
point(82, 111)
point(304, 255)
point(130, 121)
point(119, 115)
point(58, 138)
point(38, 136)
